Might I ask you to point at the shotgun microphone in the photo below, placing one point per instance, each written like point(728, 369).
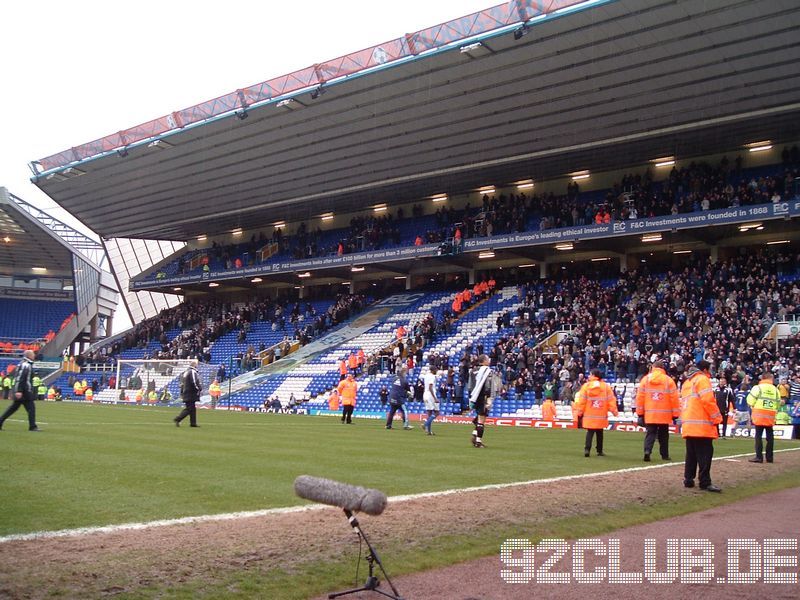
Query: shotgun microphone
point(335, 493)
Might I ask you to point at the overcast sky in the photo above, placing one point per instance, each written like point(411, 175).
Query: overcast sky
point(76, 71)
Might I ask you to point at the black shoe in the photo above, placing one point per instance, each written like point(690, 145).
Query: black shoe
point(586, 453)
point(34, 429)
point(666, 458)
point(431, 433)
point(600, 453)
point(194, 425)
point(177, 423)
point(646, 458)
point(769, 460)
point(711, 488)
point(756, 460)
point(388, 427)
point(688, 484)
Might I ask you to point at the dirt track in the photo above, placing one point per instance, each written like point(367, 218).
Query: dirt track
point(481, 579)
point(105, 564)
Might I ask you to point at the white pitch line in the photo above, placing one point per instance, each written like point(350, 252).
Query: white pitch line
point(81, 531)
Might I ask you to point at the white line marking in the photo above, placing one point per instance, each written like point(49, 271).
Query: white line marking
point(81, 531)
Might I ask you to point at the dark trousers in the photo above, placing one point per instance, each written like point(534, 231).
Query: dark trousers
point(662, 433)
point(589, 435)
point(699, 452)
point(189, 410)
point(722, 428)
point(30, 407)
point(347, 413)
point(760, 429)
point(796, 432)
point(393, 408)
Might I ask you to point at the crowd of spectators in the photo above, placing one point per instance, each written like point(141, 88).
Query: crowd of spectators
point(713, 311)
point(202, 323)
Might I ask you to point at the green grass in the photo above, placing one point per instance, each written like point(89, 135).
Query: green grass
point(99, 465)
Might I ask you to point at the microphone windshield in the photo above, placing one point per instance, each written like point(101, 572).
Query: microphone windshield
point(335, 493)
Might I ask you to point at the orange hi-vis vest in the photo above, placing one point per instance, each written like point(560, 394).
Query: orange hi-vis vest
point(342, 367)
point(89, 394)
point(548, 411)
point(699, 412)
point(657, 399)
point(333, 400)
point(352, 361)
point(347, 391)
point(596, 401)
point(764, 400)
point(77, 388)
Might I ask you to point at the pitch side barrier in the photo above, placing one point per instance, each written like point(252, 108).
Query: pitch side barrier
point(782, 432)
point(710, 218)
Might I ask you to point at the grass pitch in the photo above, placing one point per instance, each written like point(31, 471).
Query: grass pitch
point(99, 465)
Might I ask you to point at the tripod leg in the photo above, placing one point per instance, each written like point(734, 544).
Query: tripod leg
point(372, 558)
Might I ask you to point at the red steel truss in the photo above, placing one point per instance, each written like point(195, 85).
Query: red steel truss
point(411, 44)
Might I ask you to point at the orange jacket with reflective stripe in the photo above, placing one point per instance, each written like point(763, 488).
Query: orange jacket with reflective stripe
point(699, 413)
point(596, 401)
point(347, 392)
point(657, 399)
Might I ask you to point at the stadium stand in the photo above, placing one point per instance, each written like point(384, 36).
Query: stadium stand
point(697, 187)
point(34, 319)
point(615, 326)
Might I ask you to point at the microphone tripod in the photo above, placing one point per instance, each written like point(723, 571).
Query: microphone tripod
point(372, 582)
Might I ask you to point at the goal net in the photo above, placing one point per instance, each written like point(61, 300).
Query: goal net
point(136, 379)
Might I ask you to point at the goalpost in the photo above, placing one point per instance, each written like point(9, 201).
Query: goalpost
point(156, 375)
point(138, 374)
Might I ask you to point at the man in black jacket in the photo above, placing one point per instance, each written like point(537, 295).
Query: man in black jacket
point(725, 400)
point(400, 392)
point(23, 393)
point(190, 394)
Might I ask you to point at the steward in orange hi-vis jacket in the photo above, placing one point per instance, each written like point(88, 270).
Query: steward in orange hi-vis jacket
point(657, 404)
point(548, 410)
point(347, 395)
point(699, 419)
point(596, 401)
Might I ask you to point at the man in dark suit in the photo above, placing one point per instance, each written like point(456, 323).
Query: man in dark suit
point(190, 394)
point(24, 393)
